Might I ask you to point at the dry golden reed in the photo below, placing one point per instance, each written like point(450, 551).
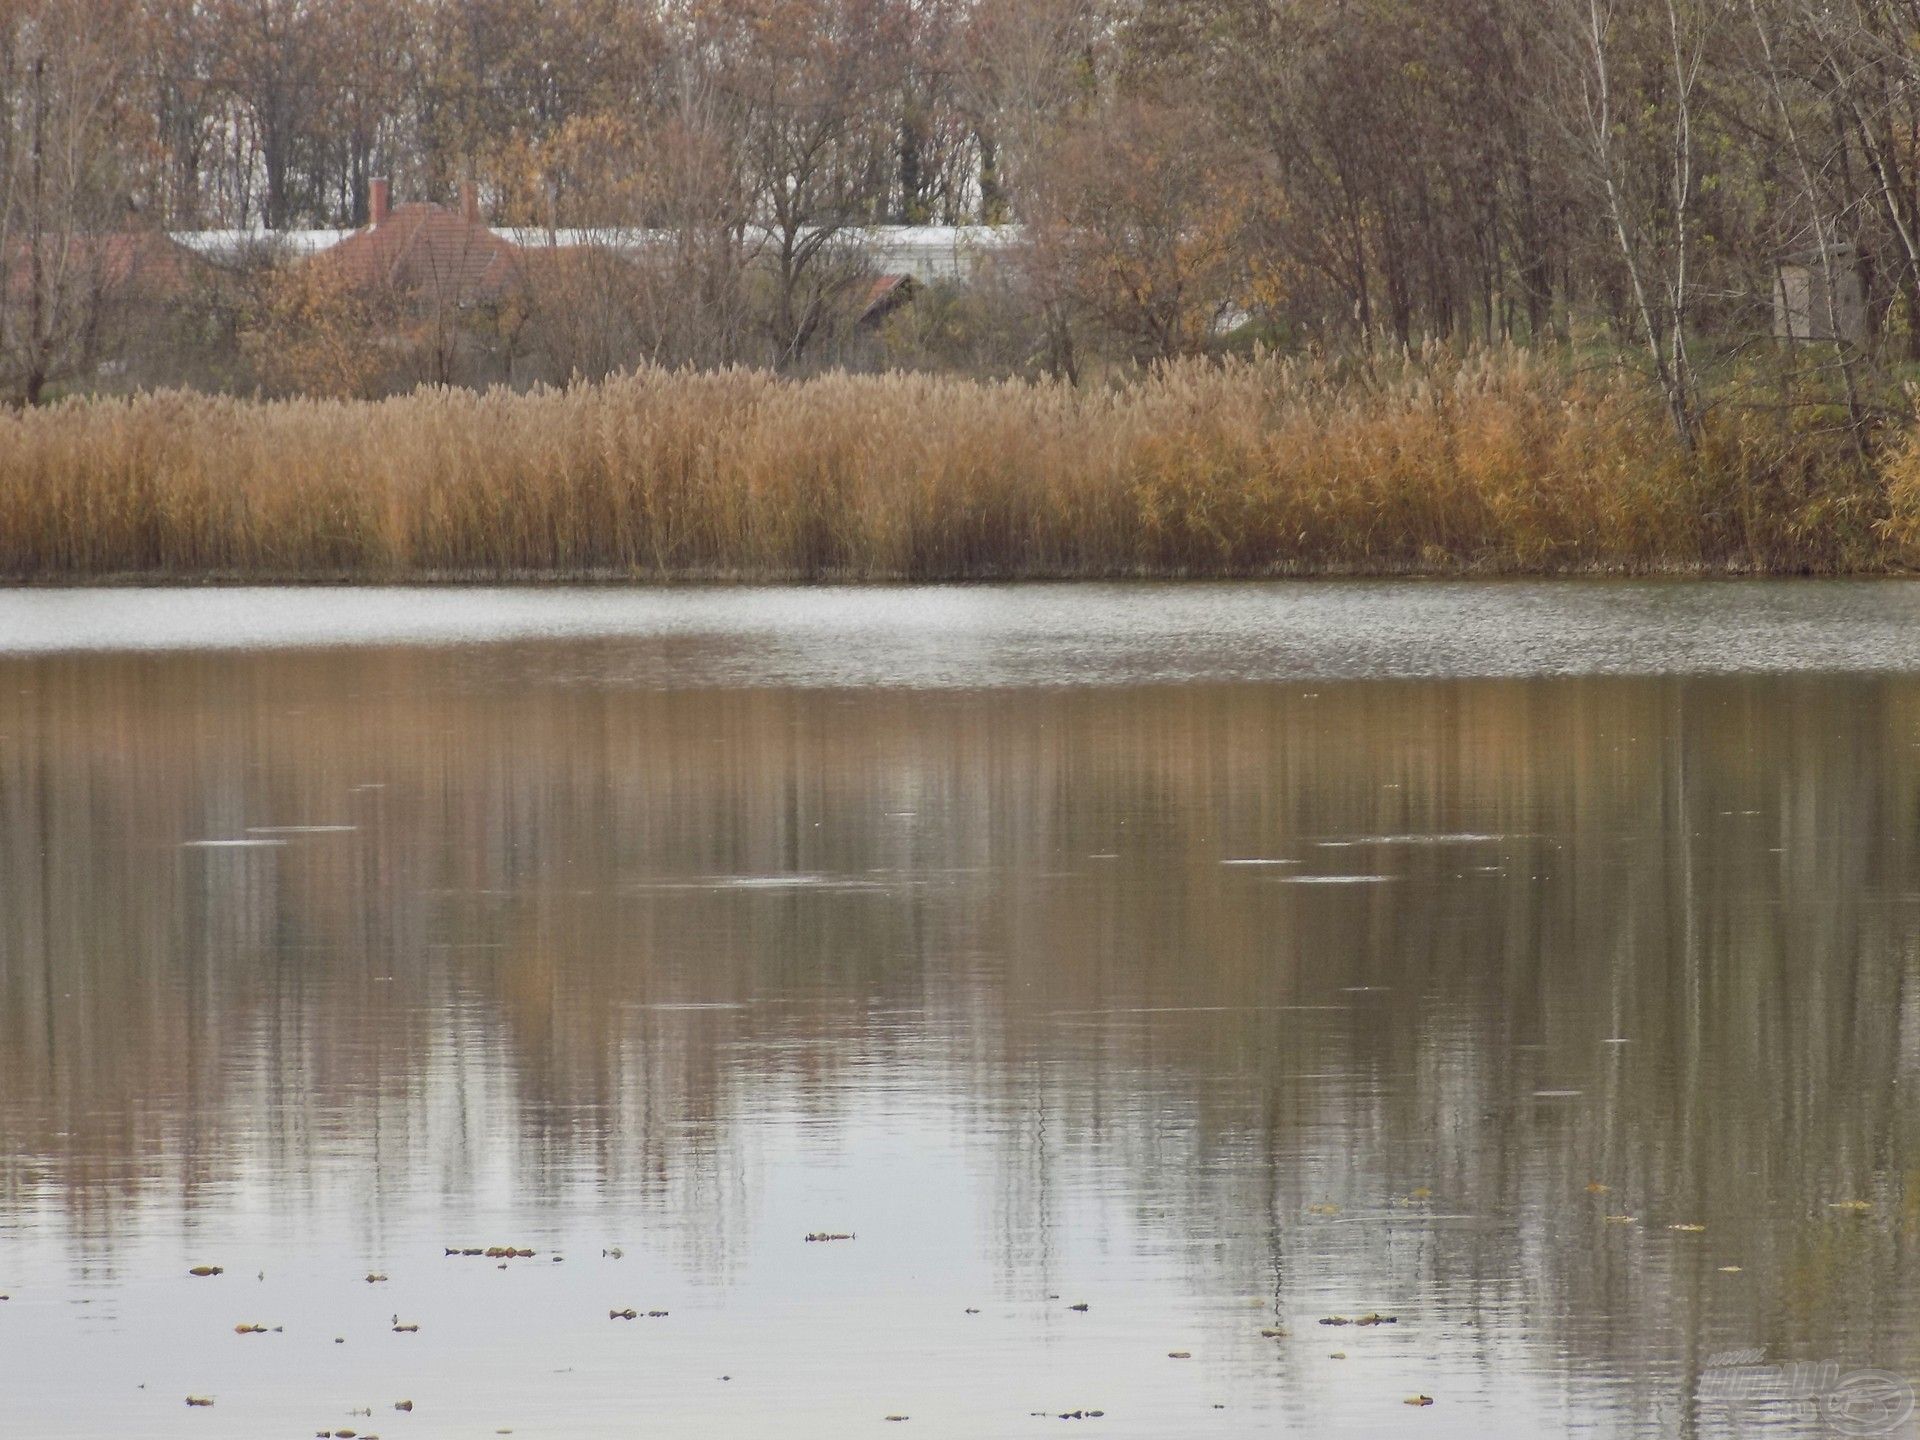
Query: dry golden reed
point(1497, 464)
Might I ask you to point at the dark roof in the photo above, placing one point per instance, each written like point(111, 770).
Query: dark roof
point(427, 248)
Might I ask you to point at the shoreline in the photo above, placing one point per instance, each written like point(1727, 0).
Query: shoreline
point(601, 579)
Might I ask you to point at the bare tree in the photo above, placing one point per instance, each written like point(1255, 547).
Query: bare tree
point(801, 77)
point(66, 244)
point(1648, 214)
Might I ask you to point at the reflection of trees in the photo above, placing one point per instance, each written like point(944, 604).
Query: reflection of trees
point(1717, 870)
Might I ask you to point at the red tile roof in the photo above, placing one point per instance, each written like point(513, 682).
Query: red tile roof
point(126, 263)
point(886, 295)
point(431, 250)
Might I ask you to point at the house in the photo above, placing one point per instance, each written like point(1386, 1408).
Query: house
point(120, 267)
point(427, 253)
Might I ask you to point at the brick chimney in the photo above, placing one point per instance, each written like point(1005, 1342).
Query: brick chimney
point(470, 202)
point(379, 194)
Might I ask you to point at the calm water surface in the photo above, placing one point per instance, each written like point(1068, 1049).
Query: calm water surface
point(1221, 959)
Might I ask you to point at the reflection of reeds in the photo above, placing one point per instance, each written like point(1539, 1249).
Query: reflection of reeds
point(1704, 866)
point(1499, 463)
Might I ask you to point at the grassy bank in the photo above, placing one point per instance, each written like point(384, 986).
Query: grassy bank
point(1502, 464)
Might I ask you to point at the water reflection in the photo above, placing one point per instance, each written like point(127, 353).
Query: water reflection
point(1213, 1007)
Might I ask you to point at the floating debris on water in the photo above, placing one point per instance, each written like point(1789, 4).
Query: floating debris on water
point(1857, 1207)
point(1620, 1219)
point(246, 1329)
point(1078, 1414)
point(1274, 1333)
point(820, 1235)
point(1335, 1320)
point(1082, 1306)
point(205, 1270)
point(1729, 1269)
point(1594, 1187)
point(404, 1406)
point(374, 1278)
point(616, 1253)
point(399, 1329)
point(628, 1314)
point(1687, 1229)
point(1179, 1354)
point(1420, 1192)
point(899, 1417)
point(1419, 1400)
point(200, 1401)
point(1373, 1319)
point(1323, 1209)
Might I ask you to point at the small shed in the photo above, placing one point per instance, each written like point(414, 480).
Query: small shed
point(1807, 308)
point(886, 295)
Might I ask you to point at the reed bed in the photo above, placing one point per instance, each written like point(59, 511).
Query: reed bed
point(1502, 463)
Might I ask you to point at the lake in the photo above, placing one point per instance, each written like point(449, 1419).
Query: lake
point(1137, 977)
